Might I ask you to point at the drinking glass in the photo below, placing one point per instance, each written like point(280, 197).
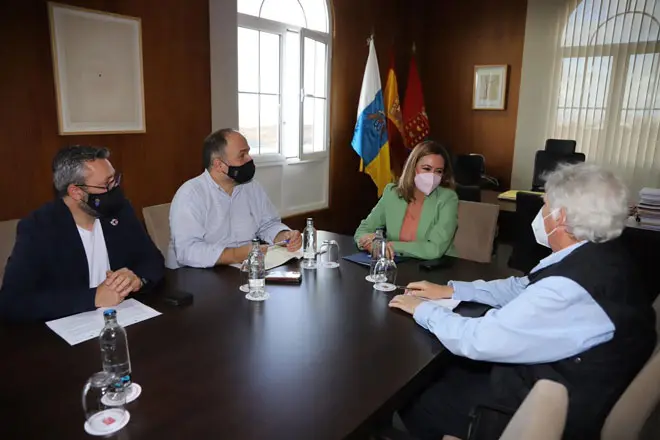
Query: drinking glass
point(329, 254)
point(103, 400)
point(384, 275)
point(245, 275)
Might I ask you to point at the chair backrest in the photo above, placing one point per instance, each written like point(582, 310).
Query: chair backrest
point(526, 251)
point(542, 415)
point(545, 161)
point(468, 168)
point(7, 240)
point(157, 220)
point(477, 225)
point(633, 409)
point(560, 146)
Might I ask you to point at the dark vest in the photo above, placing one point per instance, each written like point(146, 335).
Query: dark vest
point(597, 377)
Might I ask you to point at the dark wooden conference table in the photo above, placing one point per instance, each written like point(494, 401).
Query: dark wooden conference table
point(317, 361)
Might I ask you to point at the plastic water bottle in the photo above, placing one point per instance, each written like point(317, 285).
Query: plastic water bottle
point(114, 346)
point(376, 249)
point(309, 245)
point(256, 273)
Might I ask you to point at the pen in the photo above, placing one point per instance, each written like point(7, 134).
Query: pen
point(280, 243)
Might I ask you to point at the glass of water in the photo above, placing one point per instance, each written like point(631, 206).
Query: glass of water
point(384, 275)
point(329, 254)
point(245, 277)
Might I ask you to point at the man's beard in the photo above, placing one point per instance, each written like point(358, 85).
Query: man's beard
point(88, 209)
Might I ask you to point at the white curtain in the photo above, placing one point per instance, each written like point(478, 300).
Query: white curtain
point(601, 70)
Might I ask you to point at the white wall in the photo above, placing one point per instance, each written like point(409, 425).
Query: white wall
point(536, 97)
point(294, 187)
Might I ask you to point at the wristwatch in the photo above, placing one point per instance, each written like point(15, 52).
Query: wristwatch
point(144, 282)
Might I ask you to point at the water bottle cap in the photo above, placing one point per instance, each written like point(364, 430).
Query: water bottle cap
point(110, 312)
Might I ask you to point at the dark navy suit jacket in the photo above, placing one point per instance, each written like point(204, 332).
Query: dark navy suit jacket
point(47, 275)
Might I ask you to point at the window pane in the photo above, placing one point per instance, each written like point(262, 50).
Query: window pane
point(269, 66)
point(309, 66)
point(585, 82)
point(641, 82)
point(249, 7)
point(285, 11)
point(319, 124)
point(248, 119)
point(316, 13)
point(291, 96)
point(320, 70)
point(270, 124)
point(308, 125)
point(248, 72)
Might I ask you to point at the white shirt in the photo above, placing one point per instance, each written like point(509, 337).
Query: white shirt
point(98, 262)
point(204, 220)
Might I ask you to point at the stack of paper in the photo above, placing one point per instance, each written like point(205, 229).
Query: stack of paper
point(648, 209)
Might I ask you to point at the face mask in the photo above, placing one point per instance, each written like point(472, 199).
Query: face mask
point(538, 226)
point(108, 203)
point(427, 182)
point(243, 173)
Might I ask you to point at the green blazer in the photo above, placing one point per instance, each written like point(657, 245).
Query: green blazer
point(436, 228)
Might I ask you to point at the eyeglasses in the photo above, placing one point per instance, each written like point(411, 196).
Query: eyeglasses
point(112, 185)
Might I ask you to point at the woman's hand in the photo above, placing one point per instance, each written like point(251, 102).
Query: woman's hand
point(365, 241)
point(424, 289)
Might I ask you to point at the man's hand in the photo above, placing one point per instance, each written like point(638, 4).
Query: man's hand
point(424, 289)
point(294, 240)
point(407, 303)
point(107, 296)
point(124, 281)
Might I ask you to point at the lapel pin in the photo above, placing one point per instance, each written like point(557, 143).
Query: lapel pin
point(114, 222)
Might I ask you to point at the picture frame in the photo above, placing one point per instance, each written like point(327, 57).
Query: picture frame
point(490, 87)
point(98, 72)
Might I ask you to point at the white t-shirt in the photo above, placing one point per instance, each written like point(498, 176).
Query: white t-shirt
point(97, 254)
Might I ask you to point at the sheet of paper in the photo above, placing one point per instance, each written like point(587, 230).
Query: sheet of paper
point(446, 303)
point(277, 256)
point(85, 326)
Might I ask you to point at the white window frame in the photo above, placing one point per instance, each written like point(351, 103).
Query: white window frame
point(263, 24)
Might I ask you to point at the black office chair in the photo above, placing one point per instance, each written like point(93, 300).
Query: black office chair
point(470, 170)
point(470, 193)
point(526, 251)
point(544, 162)
point(560, 146)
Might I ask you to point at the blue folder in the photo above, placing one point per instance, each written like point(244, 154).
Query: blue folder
point(364, 259)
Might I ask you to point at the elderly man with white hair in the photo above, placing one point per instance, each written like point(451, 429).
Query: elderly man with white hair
point(581, 317)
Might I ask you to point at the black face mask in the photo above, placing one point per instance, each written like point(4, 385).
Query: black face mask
point(108, 203)
point(243, 173)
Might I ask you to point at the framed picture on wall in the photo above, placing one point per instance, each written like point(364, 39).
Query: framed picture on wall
point(97, 65)
point(490, 87)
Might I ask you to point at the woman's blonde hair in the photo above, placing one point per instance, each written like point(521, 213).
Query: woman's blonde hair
point(406, 185)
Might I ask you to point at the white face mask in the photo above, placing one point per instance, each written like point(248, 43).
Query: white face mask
point(538, 226)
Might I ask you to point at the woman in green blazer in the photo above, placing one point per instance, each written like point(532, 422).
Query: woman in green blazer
point(420, 212)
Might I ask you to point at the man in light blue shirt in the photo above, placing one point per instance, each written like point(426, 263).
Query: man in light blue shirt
point(214, 216)
point(580, 317)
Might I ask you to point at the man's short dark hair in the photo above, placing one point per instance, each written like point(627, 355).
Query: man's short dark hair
point(214, 146)
point(69, 165)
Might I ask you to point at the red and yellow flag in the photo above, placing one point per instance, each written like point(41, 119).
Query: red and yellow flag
point(398, 152)
point(415, 120)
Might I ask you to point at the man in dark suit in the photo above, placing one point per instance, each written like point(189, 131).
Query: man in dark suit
point(86, 249)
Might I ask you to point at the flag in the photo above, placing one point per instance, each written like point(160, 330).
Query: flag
point(398, 150)
point(415, 120)
point(370, 137)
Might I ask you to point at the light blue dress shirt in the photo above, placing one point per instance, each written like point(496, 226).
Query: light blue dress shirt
point(552, 319)
point(205, 220)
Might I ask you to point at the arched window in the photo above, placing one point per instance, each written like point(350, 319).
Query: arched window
point(284, 76)
point(609, 97)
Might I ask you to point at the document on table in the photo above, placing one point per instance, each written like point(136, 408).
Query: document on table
point(87, 325)
point(277, 256)
point(450, 304)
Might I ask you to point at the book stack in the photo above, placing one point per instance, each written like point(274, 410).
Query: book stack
point(648, 209)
